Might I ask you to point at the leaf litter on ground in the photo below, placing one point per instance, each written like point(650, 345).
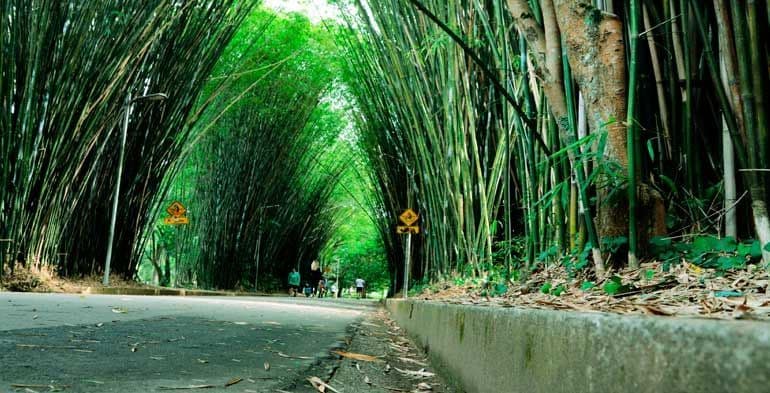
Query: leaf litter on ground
point(684, 290)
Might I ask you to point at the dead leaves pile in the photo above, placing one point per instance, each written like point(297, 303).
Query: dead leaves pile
point(396, 366)
point(686, 290)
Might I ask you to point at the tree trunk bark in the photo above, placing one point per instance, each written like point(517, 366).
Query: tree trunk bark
point(596, 52)
point(545, 44)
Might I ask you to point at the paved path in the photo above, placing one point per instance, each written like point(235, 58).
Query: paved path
point(130, 344)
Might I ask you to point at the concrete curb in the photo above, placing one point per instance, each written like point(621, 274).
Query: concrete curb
point(162, 292)
point(523, 350)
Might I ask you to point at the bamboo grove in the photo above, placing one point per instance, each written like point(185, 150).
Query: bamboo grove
point(261, 176)
point(248, 138)
point(527, 132)
point(67, 68)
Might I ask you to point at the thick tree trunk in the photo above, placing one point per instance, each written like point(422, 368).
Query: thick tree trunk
point(596, 51)
point(545, 44)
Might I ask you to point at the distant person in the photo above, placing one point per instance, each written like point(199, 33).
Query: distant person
point(307, 290)
point(316, 276)
point(361, 288)
point(334, 290)
point(294, 281)
point(321, 287)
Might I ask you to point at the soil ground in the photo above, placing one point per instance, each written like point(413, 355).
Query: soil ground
point(25, 279)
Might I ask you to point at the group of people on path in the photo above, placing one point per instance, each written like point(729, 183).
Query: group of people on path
point(317, 285)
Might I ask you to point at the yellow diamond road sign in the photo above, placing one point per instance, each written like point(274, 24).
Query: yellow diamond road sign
point(408, 217)
point(176, 209)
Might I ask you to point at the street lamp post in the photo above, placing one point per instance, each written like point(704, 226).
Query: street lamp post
point(127, 109)
point(257, 252)
point(337, 294)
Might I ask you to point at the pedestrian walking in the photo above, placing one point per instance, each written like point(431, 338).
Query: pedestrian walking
point(321, 287)
point(361, 288)
point(316, 277)
point(294, 281)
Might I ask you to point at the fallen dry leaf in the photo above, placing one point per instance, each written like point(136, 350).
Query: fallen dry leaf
point(189, 387)
point(283, 355)
point(267, 366)
point(656, 311)
point(423, 387)
point(421, 373)
point(52, 387)
point(413, 361)
point(357, 356)
point(233, 381)
point(320, 385)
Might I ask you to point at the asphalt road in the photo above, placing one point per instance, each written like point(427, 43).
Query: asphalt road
point(97, 343)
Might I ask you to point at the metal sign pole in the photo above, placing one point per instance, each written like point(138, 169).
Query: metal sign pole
point(408, 254)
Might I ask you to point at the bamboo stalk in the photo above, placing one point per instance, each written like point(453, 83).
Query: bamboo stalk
point(659, 83)
point(634, 11)
point(726, 62)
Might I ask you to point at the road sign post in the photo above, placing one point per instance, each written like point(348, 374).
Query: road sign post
point(177, 217)
point(406, 264)
point(408, 218)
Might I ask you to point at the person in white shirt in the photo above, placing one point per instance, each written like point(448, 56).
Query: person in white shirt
point(360, 285)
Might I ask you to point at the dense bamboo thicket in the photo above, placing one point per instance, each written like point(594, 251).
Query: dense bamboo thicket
point(67, 70)
point(591, 133)
point(589, 129)
point(259, 178)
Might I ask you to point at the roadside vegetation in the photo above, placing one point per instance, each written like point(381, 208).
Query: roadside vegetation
point(550, 147)
point(567, 139)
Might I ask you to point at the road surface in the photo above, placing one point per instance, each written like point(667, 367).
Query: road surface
point(97, 343)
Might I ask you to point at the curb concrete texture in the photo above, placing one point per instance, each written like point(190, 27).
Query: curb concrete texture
point(487, 350)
